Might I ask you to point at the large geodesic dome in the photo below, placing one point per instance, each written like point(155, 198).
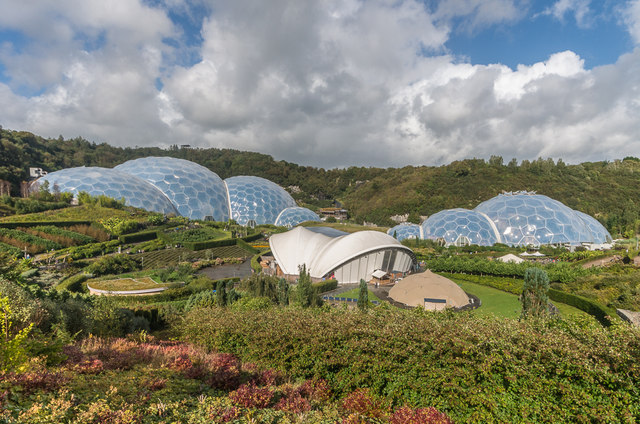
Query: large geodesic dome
point(256, 199)
point(533, 219)
point(109, 182)
point(405, 231)
point(460, 227)
point(293, 216)
point(195, 191)
point(599, 233)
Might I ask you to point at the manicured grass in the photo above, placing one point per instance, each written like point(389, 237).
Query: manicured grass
point(494, 301)
point(124, 284)
point(500, 303)
point(355, 293)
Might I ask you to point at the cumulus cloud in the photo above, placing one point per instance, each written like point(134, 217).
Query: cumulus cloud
point(631, 16)
point(578, 8)
point(329, 83)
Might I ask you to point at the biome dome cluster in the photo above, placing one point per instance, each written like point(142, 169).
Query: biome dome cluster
point(176, 186)
point(515, 219)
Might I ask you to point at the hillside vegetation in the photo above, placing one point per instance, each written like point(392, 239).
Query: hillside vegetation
point(606, 190)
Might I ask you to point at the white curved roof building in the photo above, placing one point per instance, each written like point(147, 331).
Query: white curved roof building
point(346, 257)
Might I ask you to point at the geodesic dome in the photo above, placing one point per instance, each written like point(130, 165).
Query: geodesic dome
point(293, 216)
point(533, 219)
point(195, 191)
point(460, 227)
point(405, 230)
point(109, 182)
point(257, 199)
point(599, 233)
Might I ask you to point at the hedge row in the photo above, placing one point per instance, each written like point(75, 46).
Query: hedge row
point(252, 237)
point(201, 245)
point(603, 314)
point(325, 286)
point(246, 246)
point(39, 223)
point(138, 237)
point(74, 283)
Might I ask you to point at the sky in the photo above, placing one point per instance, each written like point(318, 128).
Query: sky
point(330, 83)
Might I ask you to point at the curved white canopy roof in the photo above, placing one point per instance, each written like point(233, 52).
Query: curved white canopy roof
point(322, 253)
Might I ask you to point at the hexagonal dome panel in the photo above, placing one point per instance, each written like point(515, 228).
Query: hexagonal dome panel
point(533, 219)
point(257, 199)
point(598, 231)
point(195, 191)
point(291, 217)
point(460, 227)
point(404, 231)
point(110, 182)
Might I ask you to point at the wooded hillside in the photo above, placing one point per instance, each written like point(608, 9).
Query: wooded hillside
point(606, 190)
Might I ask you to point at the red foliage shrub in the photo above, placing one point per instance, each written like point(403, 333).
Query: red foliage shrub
point(406, 415)
point(90, 366)
point(269, 378)
point(251, 396)
point(223, 371)
point(363, 403)
point(315, 390)
point(293, 403)
point(73, 353)
point(40, 380)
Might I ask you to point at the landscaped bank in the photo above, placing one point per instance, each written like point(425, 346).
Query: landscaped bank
point(473, 369)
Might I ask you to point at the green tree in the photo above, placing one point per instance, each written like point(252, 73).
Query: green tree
point(363, 297)
point(534, 297)
point(221, 295)
point(283, 292)
point(304, 291)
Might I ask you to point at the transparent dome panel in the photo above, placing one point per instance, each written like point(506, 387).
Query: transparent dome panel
point(405, 231)
point(524, 218)
point(195, 191)
point(291, 217)
point(598, 231)
point(110, 182)
point(460, 226)
point(257, 199)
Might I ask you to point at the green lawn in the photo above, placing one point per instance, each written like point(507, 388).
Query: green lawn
point(494, 301)
point(500, 303)
point(355, 293)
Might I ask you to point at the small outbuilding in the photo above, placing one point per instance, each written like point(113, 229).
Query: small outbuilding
point(429, 290)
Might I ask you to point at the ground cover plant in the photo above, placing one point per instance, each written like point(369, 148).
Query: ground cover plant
point(171, 257)
point(474, 369)
point(151, 381)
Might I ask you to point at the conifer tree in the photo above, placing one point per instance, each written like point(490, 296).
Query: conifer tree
point(363, 297)
point(534, 298)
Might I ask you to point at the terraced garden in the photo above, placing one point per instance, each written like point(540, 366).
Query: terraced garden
point(170, 257)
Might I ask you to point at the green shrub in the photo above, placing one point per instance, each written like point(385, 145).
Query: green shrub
point(252, 304)
point(138, 237)
point(325, 286)
point(603, 314)
point(203, 299)
point(74, 283)
point(113, 264)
